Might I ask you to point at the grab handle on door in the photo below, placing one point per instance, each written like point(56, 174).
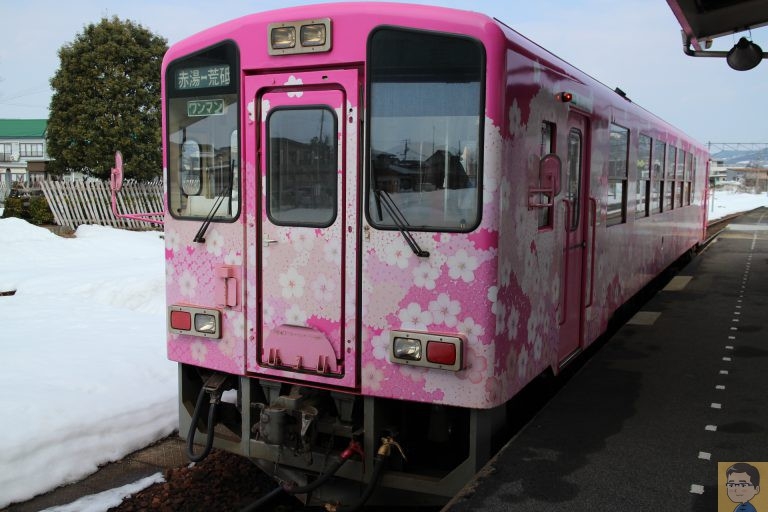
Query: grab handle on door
point(268, 241)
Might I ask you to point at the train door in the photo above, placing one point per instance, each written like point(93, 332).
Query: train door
point(306, 226)
point(574, 232)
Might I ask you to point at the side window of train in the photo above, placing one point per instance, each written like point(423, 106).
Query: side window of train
point(547, 147)
point(669, 182)
point(643, 195)
point(691, 174)
point(617, 175)
point(680, 177)
point(657, 175)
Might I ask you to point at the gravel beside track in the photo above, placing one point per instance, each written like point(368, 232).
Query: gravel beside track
point(221, 482)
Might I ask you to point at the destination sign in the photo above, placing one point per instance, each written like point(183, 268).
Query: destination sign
point(203, 78)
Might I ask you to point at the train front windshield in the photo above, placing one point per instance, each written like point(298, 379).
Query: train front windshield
point(426, 123)
point(203, 155)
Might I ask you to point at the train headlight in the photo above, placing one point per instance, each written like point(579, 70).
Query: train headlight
point(205, 323)
point(283, 37)
point(304, 36)
point(407, 348)
point(313, 35)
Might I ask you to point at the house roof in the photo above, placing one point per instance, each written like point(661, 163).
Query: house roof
point(23, 128)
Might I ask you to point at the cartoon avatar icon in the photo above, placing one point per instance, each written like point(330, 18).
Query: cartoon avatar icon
point(743, 484)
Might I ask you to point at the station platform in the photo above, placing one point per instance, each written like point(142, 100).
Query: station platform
point(644, 424)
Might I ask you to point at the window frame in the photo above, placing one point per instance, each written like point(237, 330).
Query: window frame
point(171, 92)
point(369, 203)
point(621, 179)
point(643, 183)
point(269, 174)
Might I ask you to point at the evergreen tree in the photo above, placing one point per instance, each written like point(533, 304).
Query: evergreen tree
point(107, 97)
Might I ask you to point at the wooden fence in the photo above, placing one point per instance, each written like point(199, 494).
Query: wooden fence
point(76, 203)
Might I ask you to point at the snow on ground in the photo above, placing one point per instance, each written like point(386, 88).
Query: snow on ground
point(107, 499)
point(723, 202)
point(84, 377)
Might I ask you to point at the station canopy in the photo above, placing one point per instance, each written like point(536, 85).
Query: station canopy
point(703, 21)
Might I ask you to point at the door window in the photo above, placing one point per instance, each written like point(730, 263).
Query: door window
point(302, 166)
point(573, 192)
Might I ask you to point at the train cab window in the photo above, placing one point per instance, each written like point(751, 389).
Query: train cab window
point(547, 147)
point(669, 179)
point(203, 156)
point(302, 166)
point(425, 130)
point(617, 175)
point(643, 195)
point(657, 175)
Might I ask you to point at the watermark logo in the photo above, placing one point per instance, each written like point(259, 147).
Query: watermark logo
point(738, 487)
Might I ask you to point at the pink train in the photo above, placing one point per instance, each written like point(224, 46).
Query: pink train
point(383, 221)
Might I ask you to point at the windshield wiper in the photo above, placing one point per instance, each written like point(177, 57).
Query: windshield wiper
point(398, 219)
point(220, 197)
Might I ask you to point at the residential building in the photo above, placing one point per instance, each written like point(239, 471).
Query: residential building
point(23, 155)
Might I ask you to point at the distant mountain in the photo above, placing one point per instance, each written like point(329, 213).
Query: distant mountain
point(742, 158)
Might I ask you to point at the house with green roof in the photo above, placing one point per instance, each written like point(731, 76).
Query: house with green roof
point(23, 155)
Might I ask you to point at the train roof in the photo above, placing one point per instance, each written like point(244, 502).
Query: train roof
point(353, 15)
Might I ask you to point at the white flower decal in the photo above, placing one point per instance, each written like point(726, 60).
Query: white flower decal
point(380, 345)
point(462, 266)
point(172, 240)
point(513, 322)
point(522, 363)
point(187, 284)
point(294, 81)
point(265, 106)
point(332, 253)
point(472, 330)
point(269, 314)
point(292, 283)
point(414, 318)
point(323, 288)
point(214, 243)
point(199, 351)
point(302, 240)
point(397, 254)
point(444, 310)
point(295, 316)
point(233, 258)
point(424, 276)
point(372, 377)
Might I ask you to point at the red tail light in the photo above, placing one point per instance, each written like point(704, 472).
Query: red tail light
point(441, 353)
point(181, 320)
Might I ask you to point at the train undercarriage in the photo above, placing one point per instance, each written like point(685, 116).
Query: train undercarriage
point(385, 451)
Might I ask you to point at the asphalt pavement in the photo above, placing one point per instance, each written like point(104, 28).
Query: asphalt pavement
point(649, 420)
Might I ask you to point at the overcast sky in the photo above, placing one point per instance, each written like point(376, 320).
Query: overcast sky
point(631, 44)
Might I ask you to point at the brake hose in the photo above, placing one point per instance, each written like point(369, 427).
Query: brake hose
point(193, 426)
point(380, 460)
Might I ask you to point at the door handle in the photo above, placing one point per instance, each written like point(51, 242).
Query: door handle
point(268, 241)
